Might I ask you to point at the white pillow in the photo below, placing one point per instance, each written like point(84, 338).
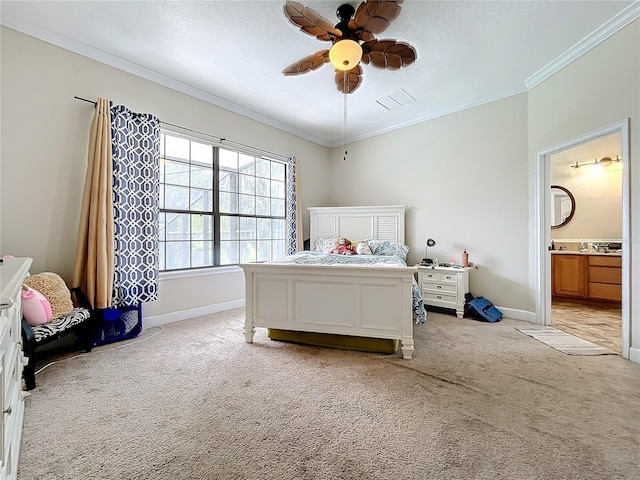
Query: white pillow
point(387, 247)
point(324, 244)
point(363, 249)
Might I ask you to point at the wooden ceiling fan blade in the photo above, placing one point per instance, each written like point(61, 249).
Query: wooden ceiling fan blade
point(380, 45)
point(360, 34)
point(310, 21)
point(354, 78)
point(381, 60)
point(388, 53)
point(375, 16)
point(311, 62)
point(370, 18)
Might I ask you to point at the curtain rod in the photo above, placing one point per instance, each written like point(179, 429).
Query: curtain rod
point(220, 139)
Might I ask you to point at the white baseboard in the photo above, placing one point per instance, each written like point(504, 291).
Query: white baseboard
point(634, 355)
point(157, 320)
point(519, 314)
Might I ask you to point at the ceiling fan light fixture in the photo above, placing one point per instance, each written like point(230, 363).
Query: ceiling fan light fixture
point(345, 54)
point(353, 40)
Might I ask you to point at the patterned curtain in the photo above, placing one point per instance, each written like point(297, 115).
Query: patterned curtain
point(136, 184)
point(294, 209)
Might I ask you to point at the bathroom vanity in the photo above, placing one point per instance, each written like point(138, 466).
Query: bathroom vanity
point(588, 277)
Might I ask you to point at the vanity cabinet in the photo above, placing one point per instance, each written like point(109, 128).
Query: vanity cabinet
point(596, 278)
point(568, 275)
point(604, 278)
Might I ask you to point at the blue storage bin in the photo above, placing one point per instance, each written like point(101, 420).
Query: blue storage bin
point(116, 323)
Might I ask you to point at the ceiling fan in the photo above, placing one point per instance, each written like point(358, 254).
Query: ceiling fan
point(353, 40)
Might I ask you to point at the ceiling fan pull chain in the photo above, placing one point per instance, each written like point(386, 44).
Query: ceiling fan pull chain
point(344, 141)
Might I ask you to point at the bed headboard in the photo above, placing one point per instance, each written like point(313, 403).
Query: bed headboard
point(357, 223)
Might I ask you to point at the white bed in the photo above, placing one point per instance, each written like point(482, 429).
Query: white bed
point(364, 301)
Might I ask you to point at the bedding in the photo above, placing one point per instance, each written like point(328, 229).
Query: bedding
point(379, 260)
point(386, 247)
point(340, 295)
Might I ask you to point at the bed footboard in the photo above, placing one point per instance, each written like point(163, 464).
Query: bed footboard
point(346, 300)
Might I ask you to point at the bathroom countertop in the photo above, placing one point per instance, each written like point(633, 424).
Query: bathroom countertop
point(575, 252)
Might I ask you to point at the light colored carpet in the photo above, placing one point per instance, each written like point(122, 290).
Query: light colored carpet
point(564, 342)
point(194, 401)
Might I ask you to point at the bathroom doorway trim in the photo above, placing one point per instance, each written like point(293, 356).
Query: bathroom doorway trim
point(543, 226)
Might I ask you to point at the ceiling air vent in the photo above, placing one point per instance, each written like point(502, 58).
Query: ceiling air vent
point(395, 99)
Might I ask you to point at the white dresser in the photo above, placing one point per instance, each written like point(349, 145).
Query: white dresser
point(12, 272)
point(444, 286)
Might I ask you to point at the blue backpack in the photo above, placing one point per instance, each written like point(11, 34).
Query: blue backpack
point(481, 309)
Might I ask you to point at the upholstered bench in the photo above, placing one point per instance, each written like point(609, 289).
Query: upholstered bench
point(77, 320)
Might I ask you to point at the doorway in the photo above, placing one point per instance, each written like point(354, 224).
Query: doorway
point(586, 231)
point(615, 138)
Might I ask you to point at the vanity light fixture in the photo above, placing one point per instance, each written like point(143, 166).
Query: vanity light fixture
point(603, 162)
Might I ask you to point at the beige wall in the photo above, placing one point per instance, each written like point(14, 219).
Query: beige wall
point(597, 189)
point(598, 213)
point(44, 148)
point(598, 199)
point(598, 89)
point(464, 178)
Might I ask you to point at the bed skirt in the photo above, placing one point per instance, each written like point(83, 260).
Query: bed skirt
point(343, 342)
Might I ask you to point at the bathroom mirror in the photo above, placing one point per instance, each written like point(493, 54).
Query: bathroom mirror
point(563, 206)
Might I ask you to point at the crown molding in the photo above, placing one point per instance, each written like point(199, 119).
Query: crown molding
point(434, 114)
point(617, 23)
point(120, 63)
point(624, 18)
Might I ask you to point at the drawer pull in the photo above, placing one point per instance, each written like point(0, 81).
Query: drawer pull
point(7, 410)
point(439, 286)
point(439, 297)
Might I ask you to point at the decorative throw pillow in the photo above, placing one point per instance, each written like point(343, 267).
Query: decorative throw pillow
point(52, 287)
point(36, 309)
point(324, 244)
point(363, 249)
point(387, 247)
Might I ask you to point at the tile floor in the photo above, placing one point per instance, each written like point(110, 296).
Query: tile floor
point(602, 326)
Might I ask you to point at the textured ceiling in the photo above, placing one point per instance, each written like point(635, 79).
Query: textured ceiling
point(232, 53)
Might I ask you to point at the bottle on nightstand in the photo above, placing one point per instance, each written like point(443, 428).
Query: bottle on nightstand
point(465, 258)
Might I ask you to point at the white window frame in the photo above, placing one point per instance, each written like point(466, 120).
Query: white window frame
point(216, 247)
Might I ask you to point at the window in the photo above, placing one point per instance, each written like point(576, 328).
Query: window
point(218, 206)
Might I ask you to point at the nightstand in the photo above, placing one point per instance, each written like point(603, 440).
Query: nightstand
point(444, 286)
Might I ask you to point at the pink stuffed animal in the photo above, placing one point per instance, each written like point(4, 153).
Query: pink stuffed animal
point(343, 247)
point(36, 309)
